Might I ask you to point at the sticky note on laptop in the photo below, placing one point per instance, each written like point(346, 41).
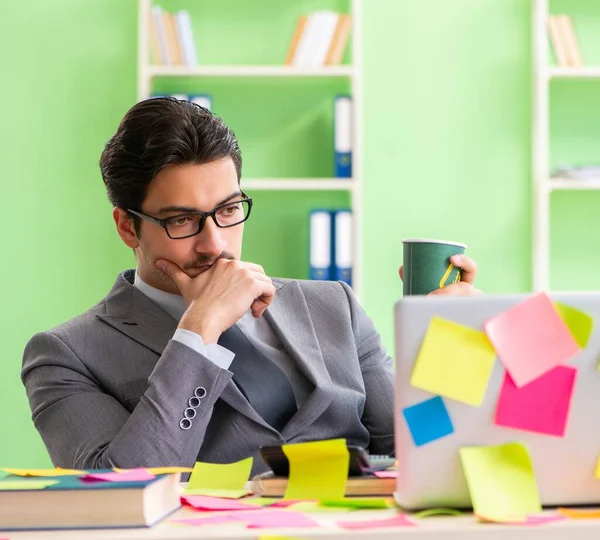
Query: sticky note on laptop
point(428, 421)
point(531, 338)
point(454, 361)
point(580, 324)
point(542, 406)
point(501, 481)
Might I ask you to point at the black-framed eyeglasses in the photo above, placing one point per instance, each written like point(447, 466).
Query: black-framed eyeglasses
point(181, 226)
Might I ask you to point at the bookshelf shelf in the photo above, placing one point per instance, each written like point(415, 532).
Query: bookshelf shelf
point(150, 75)
point(566, 184)
point(574, 73)
point(249, 71)
point(298, 184)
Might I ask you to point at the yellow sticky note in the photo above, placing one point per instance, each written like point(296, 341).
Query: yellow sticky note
point(318, 470)
point(455, 361)
point(10, 485)
point(230, 476)
point(579, 323)
point(580, 513)
point(44, 472)
point(501, 480)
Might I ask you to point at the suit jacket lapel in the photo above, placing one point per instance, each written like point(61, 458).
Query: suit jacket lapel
point(290, 319)
point(132, 313)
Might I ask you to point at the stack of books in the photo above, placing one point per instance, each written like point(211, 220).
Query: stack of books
point(172, 38)
point(320, 39)
point(564, 41)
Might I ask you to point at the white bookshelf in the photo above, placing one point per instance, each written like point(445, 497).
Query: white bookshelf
point(354, 73)
point(543, 184)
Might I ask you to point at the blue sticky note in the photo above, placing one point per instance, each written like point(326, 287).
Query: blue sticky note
point(428, 421)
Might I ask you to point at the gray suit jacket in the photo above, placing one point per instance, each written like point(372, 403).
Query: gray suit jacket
point(109, 387)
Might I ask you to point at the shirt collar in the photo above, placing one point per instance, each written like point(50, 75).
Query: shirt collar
point(173, 304)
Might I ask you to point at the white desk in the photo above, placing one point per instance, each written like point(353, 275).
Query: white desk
point(434, 528)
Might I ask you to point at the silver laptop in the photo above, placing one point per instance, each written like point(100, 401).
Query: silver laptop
point(431, 475)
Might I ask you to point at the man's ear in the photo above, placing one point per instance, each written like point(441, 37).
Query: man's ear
point(125, 228)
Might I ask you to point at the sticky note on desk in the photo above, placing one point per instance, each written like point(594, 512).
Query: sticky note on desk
point(579, 323)
point(130, 475)
point(43, 472)
point(542, 406)
point(454, 361)
point(18, 484)
point(501, 480)
point(427, 421)
point(230, 476)
point(531, 338)
point(318, 470)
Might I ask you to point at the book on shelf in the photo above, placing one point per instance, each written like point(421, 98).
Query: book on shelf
point(171, 38)
point(269, 485)
point(564, 41)
point(67, 502)
point(342, 117)
point(319, 39)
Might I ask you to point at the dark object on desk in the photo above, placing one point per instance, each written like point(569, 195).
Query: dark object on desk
point(361, 463)
point(269, 485)
point(72, 504)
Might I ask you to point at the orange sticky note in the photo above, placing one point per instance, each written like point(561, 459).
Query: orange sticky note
point(455, 361)
point(531, 338)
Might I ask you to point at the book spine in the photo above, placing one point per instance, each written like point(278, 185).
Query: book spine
point(157, 15)
point(340, 41)
point(343, 136)
point(558, 42)
point(573, 51)
point(186, 24)
point(172, 41)
point(293, 49)
point(306, 42)
point(327, 24)
point(342, 241)
point(320, 244)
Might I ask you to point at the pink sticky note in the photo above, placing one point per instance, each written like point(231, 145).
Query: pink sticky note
point(201, 502)
point(397, 521)
point(386, 474)
point(287, 502)
point(541, 406)
point(531, 338)
point(267, 519)
point(213, 520)
point(133, 475)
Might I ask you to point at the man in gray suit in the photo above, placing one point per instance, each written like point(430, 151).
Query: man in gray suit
point(196, 354)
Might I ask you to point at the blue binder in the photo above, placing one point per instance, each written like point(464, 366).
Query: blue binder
point(343, 136)
point(341, 245)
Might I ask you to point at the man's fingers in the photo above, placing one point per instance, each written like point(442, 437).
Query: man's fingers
point(401, 272)
point(468, 266)
point(174, 272)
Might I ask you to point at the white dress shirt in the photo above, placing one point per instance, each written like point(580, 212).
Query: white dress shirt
point(257, 331)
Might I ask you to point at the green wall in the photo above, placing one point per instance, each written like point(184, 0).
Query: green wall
point(447, 120)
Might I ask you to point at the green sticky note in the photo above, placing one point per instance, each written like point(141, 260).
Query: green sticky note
point(318, 470)
point(436, 512)
point(221, 493)
point(229, 476)
point(454, 361)
point(501, 480)
point(359, 502)
point(578, 322)
point(10, 485)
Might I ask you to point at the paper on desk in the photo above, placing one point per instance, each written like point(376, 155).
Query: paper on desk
point(579, 513)
point(386, 474)
point(501, 480)
point(428, 421)
point(267, 518)
point(230, 476)
point(132, 475)
point(397, 521)
point(454, 361)
point(359, 502)
point(531, 338)
point(210, 520)
point(430, 512)
point(542, 406)
point(524, 520)
point(318, 470)
point(10, 485)
point(43, 472)
point(221, 493)
point(200, 502)
point(579, 323)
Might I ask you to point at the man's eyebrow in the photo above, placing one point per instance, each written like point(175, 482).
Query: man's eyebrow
point(192, 209)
